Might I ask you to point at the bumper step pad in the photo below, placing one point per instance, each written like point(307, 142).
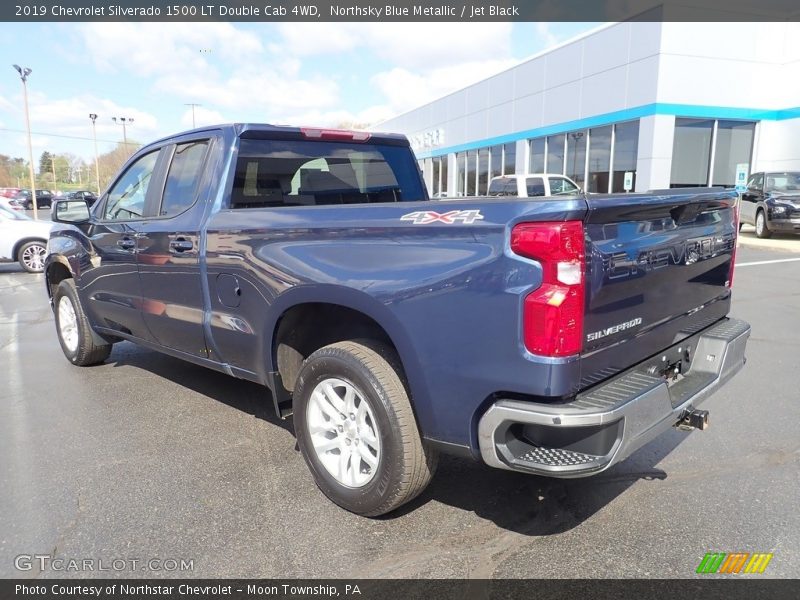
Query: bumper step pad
point(556, 457)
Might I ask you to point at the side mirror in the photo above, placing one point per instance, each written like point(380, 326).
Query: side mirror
point(72, 212)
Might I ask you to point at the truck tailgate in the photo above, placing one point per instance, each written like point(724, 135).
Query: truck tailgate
point(658, 269)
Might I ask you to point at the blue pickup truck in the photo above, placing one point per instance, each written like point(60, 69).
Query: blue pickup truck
point(551, 336)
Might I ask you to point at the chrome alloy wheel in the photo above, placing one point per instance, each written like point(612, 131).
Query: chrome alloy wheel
point(344, 432)
point(33, 257)
point(761, 223)
point(68, 323)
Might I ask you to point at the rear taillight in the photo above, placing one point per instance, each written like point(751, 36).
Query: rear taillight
point(553, 313)
point(341, 135)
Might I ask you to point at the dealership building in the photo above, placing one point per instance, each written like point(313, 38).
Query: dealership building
point(645, 105)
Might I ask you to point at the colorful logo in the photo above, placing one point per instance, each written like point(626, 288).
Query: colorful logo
point(734, 562)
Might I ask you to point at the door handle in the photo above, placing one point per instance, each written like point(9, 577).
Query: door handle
point(126, 243)
point(180, 245)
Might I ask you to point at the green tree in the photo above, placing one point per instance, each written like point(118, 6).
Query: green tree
point(13, 171)
point(45, 163)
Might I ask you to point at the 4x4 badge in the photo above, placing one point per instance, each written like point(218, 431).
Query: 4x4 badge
point(423, 217)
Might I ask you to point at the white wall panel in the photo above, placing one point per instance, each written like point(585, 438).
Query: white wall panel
point(562, 103)
point(564, 65)
point(645, 40)
point(604, 92)
point(528, 112)
point(529, 77)
point(501, 88)
point(643, 81)
point(499, 119)
point(606, 49)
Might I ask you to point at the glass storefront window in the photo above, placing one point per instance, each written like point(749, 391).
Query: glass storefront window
point(734, 146)
point(443, 169)
point(536, 162)
point(555, 153)
point(472, 156)
point(483, 171)
point(691, 152)
point(436, 185)
point(509, 158)
point(626, 149)
point(461, 164)
point(599, 159)
point(496, 160)
point(576, 156)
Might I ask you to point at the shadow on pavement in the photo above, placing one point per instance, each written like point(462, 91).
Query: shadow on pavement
point(525, 504)
point(245, 396)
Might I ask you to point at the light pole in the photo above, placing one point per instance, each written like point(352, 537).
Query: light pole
point(93, 117)
point(23, 75)
point(192, 104)
point(123, 120)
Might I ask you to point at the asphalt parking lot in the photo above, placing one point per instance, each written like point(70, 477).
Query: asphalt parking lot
point(149, 457)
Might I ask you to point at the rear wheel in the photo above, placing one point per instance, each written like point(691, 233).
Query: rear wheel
point(72, 326)
point(31, 256)
point(356, 429)
point(762, 229)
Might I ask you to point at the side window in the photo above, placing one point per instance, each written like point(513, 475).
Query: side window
point(559, 185)
point(182, 177)
point(755, 182)
point(534, 186)
point(126, 198)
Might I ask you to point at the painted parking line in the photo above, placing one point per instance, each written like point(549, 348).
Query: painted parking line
point(767, 262)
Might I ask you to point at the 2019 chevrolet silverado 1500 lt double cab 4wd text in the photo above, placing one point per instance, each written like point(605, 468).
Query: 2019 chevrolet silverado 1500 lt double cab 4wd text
point(549, 336)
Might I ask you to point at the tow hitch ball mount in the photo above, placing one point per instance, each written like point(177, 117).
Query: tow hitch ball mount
point(693, 419)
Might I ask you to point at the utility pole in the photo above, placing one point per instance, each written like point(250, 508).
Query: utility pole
point(123, 120)
point(53, 167)
point(23, 75)
point(192, 104)
point(93, 117)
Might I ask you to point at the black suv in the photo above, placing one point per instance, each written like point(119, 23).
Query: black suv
point(23, 198)
point(772, 203)
point(89, 197)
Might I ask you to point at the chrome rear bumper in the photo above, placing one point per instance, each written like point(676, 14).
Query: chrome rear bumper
point(607, 422)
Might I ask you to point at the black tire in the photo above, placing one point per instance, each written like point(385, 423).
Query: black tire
point(31, 256)
point(762, 229)
point(85, 351)
point(405, 465)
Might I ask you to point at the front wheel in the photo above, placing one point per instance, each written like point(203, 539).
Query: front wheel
point(356, 430)
point(762, 229)
point(31, 256)
point(74, 331)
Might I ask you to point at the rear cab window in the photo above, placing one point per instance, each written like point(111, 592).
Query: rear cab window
point(534, 186)
point(506, 186)
point(281, 173)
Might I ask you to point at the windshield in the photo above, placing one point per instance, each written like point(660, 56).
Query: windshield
point(782, 182)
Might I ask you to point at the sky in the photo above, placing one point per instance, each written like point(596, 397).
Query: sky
point(321, 74)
